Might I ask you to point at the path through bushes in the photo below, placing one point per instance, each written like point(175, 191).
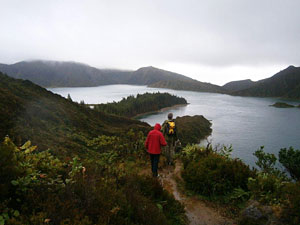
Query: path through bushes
point(197, 211)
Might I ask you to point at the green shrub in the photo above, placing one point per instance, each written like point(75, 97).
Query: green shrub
point(42, 187)
point(9, 169)
point(192, 153)
point(195, 152)
point(290, 159)
point(291, 205)
point(272, 187)
point(149, 187)
point(265, 161)
point(266, 188)
point(216, 175)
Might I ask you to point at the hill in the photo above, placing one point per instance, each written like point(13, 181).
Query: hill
point(71, 74)
point(238, 85)
point(158, 78)
point(30, 112)
point(189, 86)
point(285, 84)
point(62, 74)
point(101, 186)
point(150, 75)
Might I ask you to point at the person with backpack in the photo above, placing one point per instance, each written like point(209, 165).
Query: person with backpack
point(153, 143)
point(169, 130)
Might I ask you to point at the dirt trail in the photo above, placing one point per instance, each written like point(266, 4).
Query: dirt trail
point(197, 211)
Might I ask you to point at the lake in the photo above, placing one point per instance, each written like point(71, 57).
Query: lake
point(245, 122)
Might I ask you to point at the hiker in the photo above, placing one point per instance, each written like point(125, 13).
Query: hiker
point(170, 133)
point(154, 141)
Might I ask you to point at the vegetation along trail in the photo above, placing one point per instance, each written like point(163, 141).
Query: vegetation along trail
point(197, 212)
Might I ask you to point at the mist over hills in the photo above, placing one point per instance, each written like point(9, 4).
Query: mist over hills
point(70, 74)
point(62, 74)
point(285, 84)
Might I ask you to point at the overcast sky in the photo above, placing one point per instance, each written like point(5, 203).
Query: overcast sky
point(214, 41)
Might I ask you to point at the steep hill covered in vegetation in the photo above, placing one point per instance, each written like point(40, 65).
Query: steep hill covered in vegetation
point(30, 112)
point(284, 84)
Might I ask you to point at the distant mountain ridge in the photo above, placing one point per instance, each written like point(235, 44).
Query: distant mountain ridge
point(71, 74)
point(285, 84)
point(159, 78)
point(150, 75)
point(61, 74)
point(238, 85)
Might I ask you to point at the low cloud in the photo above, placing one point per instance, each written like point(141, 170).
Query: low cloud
point(213, 34)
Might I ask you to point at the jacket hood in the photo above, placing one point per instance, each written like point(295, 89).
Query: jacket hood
point(157, 126)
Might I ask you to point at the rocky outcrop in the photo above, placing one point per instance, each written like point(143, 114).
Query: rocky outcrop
point(258, 214)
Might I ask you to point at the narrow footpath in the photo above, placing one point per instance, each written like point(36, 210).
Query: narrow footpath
point(197, 212)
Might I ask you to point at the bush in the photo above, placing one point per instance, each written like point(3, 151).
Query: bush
point(265, 161)
point(290, 159)
point(266, 188)
point(291, 205)
point(216, 175)
point(272, 187)
point(151, 188)
point(9, 169)
point(44, 188)
point(193, 153)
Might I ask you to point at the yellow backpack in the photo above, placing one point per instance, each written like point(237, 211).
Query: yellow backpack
point(171, 128)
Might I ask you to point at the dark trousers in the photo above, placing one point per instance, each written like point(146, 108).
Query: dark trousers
point(154, 163)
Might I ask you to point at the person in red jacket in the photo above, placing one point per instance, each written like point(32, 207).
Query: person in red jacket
point(155, 139)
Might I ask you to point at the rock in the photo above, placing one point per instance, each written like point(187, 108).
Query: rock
point(257, 214)
point(253, 212)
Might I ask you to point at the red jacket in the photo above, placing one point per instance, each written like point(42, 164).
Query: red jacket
point(154, 140)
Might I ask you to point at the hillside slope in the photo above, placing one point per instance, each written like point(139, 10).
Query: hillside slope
point(284, 84)
point(150, 75)
point(238, 85)
point(189, 86)
point(30, 112)
point(158, 78)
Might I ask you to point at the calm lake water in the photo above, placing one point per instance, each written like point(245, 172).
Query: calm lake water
point(245, 122)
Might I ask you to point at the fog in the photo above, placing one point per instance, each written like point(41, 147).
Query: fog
point(212, 41)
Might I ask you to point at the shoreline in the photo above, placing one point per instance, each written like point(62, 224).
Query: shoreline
point(160, 110)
